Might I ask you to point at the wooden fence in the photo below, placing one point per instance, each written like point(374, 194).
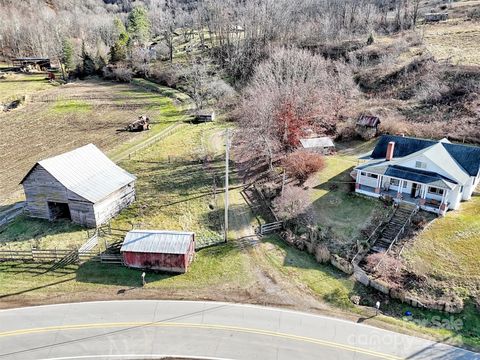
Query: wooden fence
point(48, 255)
point(270, 227)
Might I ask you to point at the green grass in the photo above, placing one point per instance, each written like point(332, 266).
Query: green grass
point(223, 265)
point(449, 248)
point(336, 288)
point(71, 106)
point(15, 86)
point(174, 187)
point(24, 233)
point(336, 205)
point(329, 284)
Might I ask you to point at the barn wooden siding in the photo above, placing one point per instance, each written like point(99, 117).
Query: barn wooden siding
point(114, 203)
point(40, 187)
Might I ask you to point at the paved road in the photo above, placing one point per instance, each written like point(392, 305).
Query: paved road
point(152, 329)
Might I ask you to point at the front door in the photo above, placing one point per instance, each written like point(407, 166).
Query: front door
point(415, 190)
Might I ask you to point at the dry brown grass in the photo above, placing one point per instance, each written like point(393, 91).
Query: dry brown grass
point(456, 41)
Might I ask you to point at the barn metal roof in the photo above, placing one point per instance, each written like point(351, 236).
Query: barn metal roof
point(87, 172)
point(317, 142)
point(157, 241)
point(366, 120)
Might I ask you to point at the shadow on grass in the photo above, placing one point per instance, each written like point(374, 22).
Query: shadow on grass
point(207, 264)
point(24, 228)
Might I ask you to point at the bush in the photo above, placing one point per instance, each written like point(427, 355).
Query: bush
point(322, 254)
point(120, 73)
point(301, 164)
point(293, 202)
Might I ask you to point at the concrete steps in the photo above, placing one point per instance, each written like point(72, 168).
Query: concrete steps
point(392, 229)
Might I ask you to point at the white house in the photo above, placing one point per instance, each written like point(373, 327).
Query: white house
point(435, 175)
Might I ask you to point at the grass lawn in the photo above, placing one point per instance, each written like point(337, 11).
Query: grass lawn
point(449, 248)
point(174, 186)
point(16, 86)
point(223, 266)
point(24, 233)
point(336, 206)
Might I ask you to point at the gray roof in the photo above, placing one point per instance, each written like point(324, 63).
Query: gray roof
point(87, 172)
point(317, 142)
point(157, 241)
point(468, 157)
point(436, 153)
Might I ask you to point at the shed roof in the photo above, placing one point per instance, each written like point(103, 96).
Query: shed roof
point(157, 241)
point(317, 142)
point(367, 120)
point(87, 172)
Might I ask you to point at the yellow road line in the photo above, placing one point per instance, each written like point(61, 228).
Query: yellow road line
point(202, 326)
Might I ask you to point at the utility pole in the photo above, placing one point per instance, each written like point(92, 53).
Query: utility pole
point(227, 156)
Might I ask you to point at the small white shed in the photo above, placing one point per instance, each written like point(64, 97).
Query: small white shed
point(322, 145)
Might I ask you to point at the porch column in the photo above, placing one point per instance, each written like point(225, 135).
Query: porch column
point(443, 205)
point(357, 181)
point(379, 182)
point(423, 194)
point(400, 187)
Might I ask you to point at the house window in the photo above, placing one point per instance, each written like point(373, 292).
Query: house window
point(363, 173)
point(405, 184)
point(374, 176)
point(394, 182)
point(420, 165)
point(435, 191)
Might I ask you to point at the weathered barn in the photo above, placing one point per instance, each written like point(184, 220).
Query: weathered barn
point(82, 185)
point(171, 251)
point(367, 126)
point(322, 145)
point(206, 116)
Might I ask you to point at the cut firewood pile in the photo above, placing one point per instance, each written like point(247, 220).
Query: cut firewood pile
point(141, 124)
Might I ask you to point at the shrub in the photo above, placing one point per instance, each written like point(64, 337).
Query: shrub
point(322, 254)
point(293, 202)
point(301, 164)
point(120, 73)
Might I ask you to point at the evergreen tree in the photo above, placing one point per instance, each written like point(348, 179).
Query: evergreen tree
point(66, 61)
point(118, 51)
point(139, 26)
point(88, 63)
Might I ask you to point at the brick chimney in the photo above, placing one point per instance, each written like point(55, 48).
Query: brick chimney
point(390, 149)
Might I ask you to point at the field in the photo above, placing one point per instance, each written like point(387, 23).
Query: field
point(58, 119)
point(455, 41)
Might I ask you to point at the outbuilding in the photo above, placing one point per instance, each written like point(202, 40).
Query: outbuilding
point(322, 145)
point(160, 250)
point(82, 185)
point(367, 126)
point(205, 116)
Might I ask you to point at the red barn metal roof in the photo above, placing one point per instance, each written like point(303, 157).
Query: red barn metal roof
point(366, 120)
point(157, 241)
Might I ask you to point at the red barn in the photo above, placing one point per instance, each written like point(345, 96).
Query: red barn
point(171, 251)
